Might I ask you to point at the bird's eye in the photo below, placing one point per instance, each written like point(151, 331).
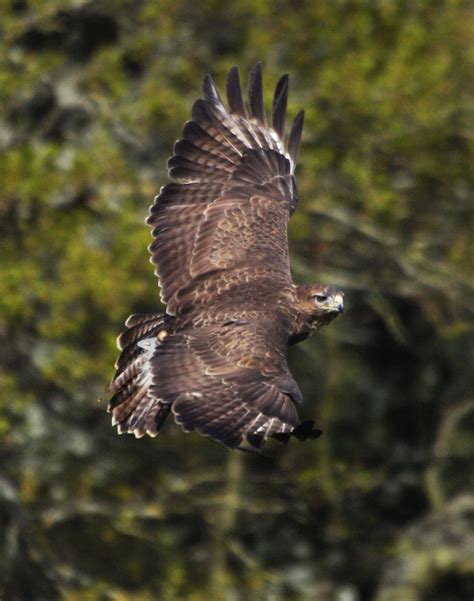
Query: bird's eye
point(320, 298)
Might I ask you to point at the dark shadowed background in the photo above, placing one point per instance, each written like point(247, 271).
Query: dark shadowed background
point(381, 508)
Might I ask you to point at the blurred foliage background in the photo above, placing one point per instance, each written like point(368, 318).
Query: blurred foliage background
point(381, 508)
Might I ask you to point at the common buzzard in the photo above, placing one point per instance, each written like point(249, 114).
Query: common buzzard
point(217, 357)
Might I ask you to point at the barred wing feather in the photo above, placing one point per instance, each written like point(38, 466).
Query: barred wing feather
point(235, 189)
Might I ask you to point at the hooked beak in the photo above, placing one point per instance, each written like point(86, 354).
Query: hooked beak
point(338, 303)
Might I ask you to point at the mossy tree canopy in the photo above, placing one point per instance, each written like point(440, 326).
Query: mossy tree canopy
point(93, 97)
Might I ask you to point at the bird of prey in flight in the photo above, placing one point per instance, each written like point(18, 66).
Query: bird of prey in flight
point(216, 358)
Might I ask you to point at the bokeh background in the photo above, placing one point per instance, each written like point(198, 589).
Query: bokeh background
point(381, 508)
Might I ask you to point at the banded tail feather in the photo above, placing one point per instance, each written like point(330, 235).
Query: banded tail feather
point(134, 408)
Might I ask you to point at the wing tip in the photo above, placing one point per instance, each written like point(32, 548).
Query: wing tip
point(234, 92)
point(294, 139)
point(210, 91)
point(280, 101)
point(255, 92)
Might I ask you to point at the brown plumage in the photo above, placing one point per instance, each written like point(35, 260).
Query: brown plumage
point(217, 358)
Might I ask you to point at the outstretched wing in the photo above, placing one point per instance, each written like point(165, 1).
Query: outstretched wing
point(225, 219)
point(227, 381)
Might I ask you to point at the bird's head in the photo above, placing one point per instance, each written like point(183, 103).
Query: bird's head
point(321, 304)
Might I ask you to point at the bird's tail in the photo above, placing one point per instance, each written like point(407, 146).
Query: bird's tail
point(134, 409)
